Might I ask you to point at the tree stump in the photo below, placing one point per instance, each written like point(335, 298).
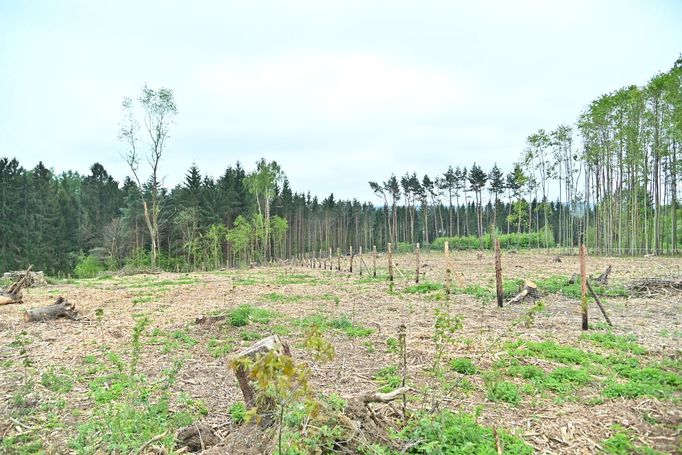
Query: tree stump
point(271, 343)
point(61, 308)
point(603, 279)
point(529, 290)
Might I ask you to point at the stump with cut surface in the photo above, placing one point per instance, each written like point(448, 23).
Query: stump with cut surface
point(529, 290)
point(60, 309)
point(271, 343)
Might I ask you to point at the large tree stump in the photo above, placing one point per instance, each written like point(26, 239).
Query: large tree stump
point(529, 290)
point(271, 343)
point(60, 309)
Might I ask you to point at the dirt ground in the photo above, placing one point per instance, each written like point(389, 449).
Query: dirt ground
point(576, 425)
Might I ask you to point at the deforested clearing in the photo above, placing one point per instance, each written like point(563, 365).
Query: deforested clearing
point(151, 354)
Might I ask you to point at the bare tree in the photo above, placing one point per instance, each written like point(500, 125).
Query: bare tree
point(158, 111)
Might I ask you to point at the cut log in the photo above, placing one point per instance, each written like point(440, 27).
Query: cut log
point(271, 343)
point(6, 299)
point(529, 290)
point(603, 279)
point(60, 309)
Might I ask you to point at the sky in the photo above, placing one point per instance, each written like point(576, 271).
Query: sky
point(337, 92)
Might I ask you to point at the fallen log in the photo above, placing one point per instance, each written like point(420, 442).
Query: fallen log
point(596, 299)
point(6, 298)
point(377, 397)
point(529, 290)
point(60, 309)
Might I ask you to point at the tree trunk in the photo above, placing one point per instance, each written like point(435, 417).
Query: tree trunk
point(60, 309)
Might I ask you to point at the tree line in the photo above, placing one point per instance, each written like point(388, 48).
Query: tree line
point(612, 180)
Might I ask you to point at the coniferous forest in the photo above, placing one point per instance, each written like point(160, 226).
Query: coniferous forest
point(612, 177)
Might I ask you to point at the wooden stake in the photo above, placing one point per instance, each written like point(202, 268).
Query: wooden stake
point(416, 251)
point(390, 263)
point(402, 341)
point(448, 270)
point(360, 256)
point(374, 260)
point(498, 273)
point(583, 287)
point(350, 263)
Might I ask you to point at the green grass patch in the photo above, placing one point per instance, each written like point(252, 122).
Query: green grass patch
point(653, 380)
point(389, 378)
point(624, 343)
point(59, 382)
point(171, 341)
point(455, 434)
point(219, 348)
point(342, 323)
point(276, 297)
point(621, 443)
point(423, 288)
point(245, 314)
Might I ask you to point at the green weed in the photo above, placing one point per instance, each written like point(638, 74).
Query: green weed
point(389, 378)
point(463, 366)
point(503, 391)
point(454, 434)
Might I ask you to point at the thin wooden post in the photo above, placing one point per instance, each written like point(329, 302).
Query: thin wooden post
point(331, 259)
point(350, 263)
point(402, 341)
point(448, 270)
point(498, 273)
point(583, 287)
point(416, 252)
point(363, 261)
point(338, 259)
point(390, 263)
point(319, 260)
point(374, 260)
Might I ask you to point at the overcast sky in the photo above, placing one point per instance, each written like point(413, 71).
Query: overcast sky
point(337, 92)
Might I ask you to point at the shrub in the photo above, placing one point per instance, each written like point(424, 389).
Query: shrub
point(88, 267)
